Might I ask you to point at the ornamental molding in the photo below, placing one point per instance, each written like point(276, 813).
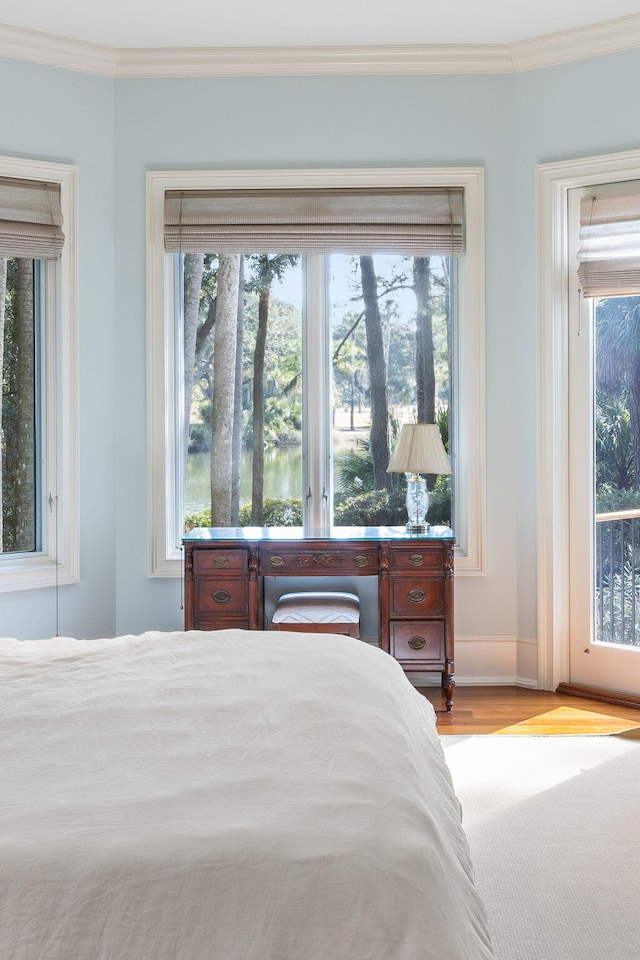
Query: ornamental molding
point(612, 36)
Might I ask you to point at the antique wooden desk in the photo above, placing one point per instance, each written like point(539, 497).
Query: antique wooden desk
point(225, 567)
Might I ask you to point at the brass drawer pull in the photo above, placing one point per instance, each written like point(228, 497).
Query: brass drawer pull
point(221, 596)
point(417, 596)
point(417, 643)
point(276, 561)
point(416, 559)
point(361, 561)
point(221, 561)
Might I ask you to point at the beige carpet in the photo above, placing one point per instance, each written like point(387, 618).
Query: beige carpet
point(569, 720)
point(553, 828)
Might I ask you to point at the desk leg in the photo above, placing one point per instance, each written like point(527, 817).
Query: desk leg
point(254, 593)
point(448, 683)
point(383, 596)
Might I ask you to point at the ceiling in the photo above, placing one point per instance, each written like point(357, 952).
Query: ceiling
point(255, 23)
point(192, 37)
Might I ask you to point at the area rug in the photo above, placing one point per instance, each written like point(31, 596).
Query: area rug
point(569, 720)
point(553, 828)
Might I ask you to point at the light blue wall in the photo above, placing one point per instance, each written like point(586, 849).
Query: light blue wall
point(340, 122)
point(117, 130)
point(67, 117)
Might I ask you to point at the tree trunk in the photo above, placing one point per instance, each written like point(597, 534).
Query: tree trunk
point(21, 462)
point(257, 480)
point(425, 360)
point(3, 300)
point(224, 366)
point(379, 438)
point(193, 270)
point(237, 406)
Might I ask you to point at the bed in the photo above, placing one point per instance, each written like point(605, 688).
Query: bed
point(226, 796)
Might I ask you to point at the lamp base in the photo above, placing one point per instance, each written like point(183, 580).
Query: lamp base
point(418, 527)
point(417, 504)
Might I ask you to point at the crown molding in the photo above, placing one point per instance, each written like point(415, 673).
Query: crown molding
point(125, 63)
point(614, 36)
point(314, 61)
point(18, 44)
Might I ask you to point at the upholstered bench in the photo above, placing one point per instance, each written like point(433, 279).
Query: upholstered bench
point(320, 612)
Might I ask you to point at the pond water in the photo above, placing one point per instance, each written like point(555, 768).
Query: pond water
point(282, 477)
point(282, 472)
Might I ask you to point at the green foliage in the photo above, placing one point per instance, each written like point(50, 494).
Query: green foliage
point(388, 508)
point(610, 500)
point(285, 512)
point(355, 470)
point(193, 520)
point(374, 508)
point(618, 608)
point(614, 442)
point(282, 423)
point(200, 437)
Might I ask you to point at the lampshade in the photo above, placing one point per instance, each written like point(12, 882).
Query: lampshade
point(419, 450)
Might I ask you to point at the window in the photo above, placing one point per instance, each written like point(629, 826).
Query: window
point(306, 380)
point(38, 525)
point(569, 476)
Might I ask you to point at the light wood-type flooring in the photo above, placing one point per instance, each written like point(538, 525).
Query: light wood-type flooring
point(491, 709)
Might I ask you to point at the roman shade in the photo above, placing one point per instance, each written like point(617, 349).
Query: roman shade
point(30, 219)
point(609, 252)
point(404, 221)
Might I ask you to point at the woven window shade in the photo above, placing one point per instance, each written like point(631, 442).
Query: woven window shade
point(609, 252)
point(411, 222)
point(30, 219)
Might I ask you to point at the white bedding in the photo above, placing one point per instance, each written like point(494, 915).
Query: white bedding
point(226, 796)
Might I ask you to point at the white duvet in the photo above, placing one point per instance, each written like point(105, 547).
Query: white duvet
point(226, 796)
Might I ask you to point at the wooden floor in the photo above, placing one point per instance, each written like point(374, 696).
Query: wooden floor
point(488, 709)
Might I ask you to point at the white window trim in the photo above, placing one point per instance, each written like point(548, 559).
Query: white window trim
point(554, 180)
point(165, 560)
point(58, 561)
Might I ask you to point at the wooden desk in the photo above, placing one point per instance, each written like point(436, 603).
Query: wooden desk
point(225, 567)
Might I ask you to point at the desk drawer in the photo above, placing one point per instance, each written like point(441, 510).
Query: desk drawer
point(218, 560)
point(423, 641)
point(226, 596)
point(416, 558)
point(417, 597)
point(288, 561)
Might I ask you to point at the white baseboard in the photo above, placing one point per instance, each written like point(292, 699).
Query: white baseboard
point(488, 661)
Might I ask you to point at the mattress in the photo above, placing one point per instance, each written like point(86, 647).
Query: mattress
point(226, 796)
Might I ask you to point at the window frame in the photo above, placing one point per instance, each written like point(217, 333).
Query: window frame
point(57, 561)
point(469, 466)
point(557, 280)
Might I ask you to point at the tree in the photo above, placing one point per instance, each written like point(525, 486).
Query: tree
point(266, 269)
point(379, 437)
point(3, 299)
point(237, 404)
point(425, 360)
point(19, 413)
point(618, 359)
point(224, 367)
point(193, 270)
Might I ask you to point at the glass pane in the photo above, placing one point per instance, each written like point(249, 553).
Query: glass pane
point(392, 333)
point(243, 403)
point(617, 470)
point(18, 406)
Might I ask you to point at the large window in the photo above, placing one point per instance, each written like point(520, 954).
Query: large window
point(287, 375)
point(311, 428)
point(38, 528)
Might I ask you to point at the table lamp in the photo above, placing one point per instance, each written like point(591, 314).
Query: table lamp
point(419, 450)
